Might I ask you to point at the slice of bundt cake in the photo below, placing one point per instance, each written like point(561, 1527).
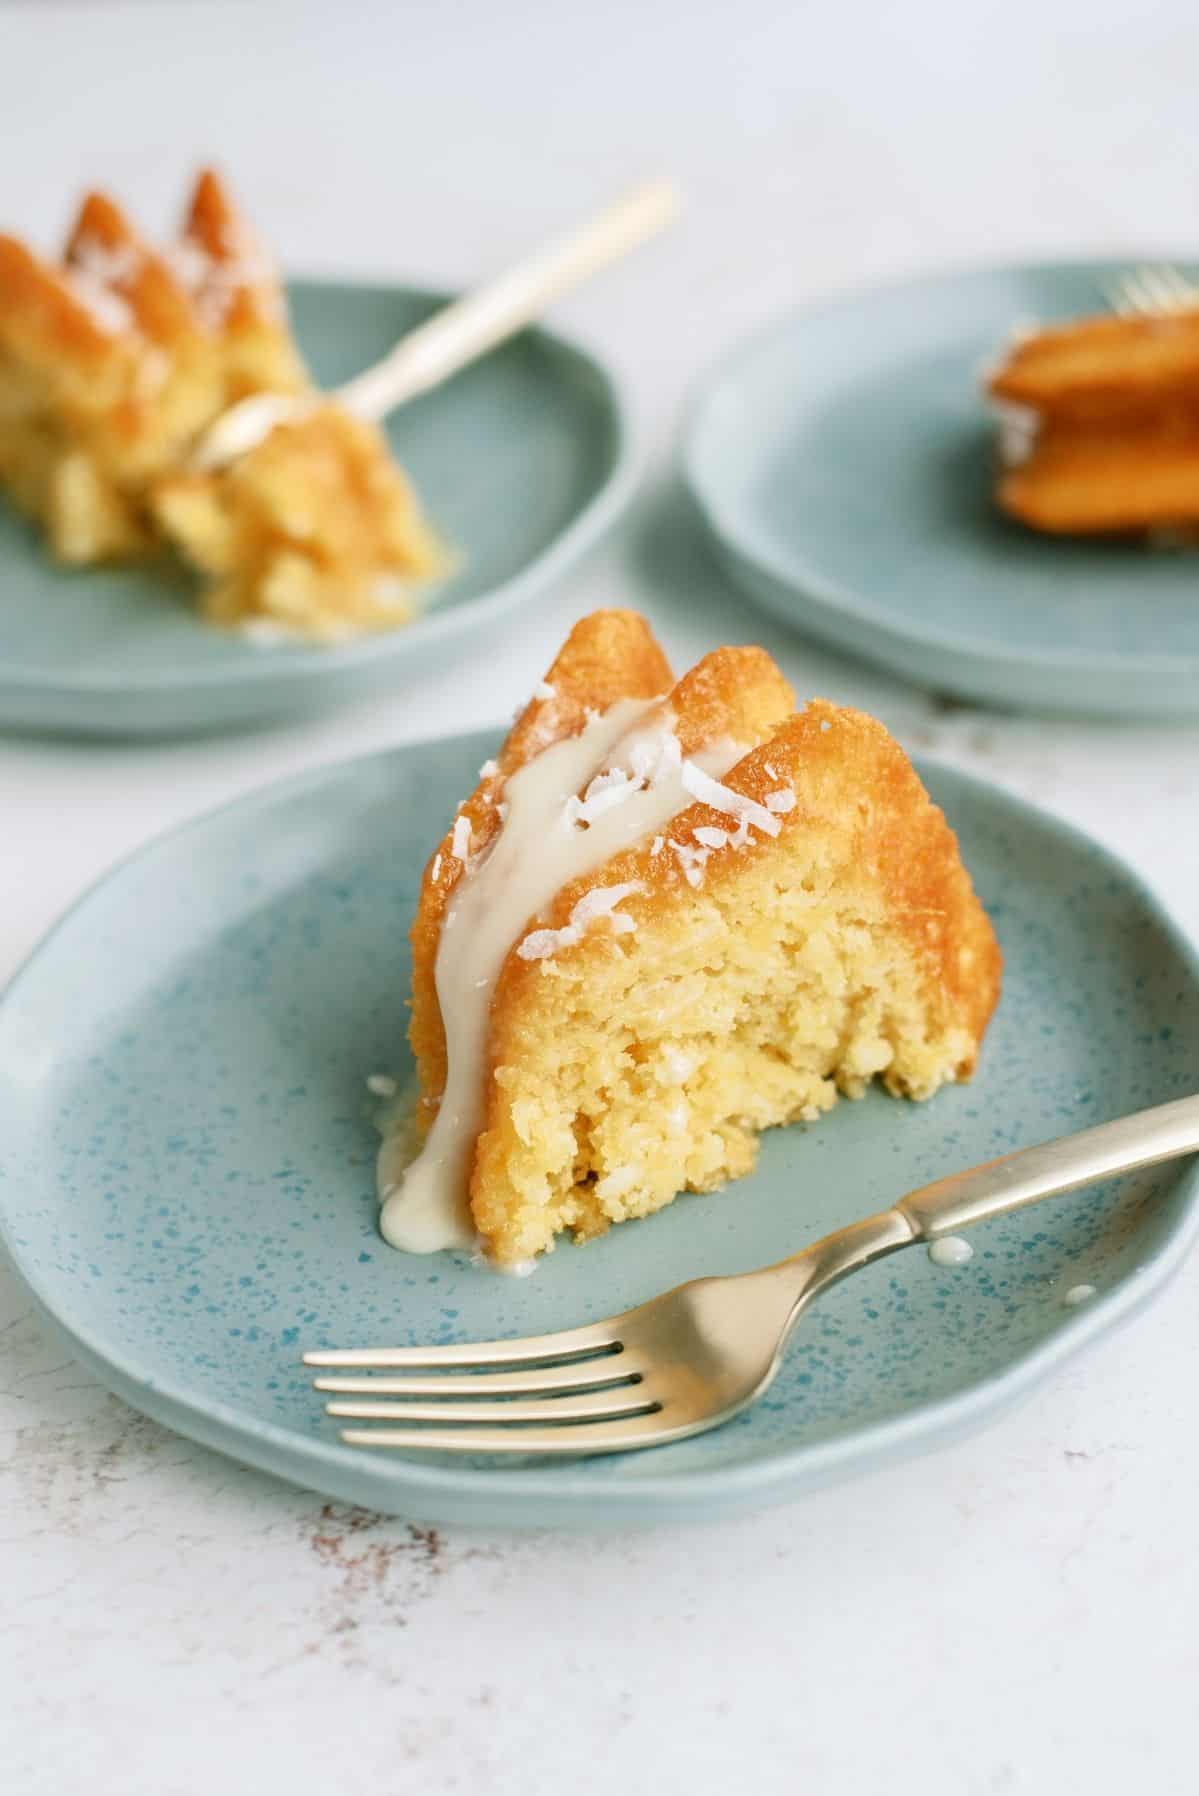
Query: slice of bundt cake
point(666, 920)
point(115, 361)
point(1099, 426)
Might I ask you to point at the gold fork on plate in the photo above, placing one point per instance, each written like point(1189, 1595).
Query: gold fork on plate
point(692, 1358)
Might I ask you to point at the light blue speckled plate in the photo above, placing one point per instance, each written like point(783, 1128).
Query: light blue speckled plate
point(521, 460)
point(843, 460)
point(186, 1173)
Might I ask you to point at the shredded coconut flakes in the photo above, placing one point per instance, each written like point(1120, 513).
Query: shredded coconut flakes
point(722, 798)
point(540, 944)
point(604, 793)
point(711, 837)
point(460, 840)
point(105, 262)
point(692, 861)
point(106, 309)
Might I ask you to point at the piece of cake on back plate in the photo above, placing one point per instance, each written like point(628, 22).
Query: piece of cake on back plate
point(671, 916)
point(115, 361)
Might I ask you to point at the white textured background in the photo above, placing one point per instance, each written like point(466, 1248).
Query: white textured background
point(1015, 1614)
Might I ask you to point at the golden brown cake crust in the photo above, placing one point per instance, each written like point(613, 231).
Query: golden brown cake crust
point(1107, 479)
point(37, 304)
point(733, 694)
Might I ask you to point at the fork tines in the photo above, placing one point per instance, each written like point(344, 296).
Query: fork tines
point(1155, 293)
point(582, 1386)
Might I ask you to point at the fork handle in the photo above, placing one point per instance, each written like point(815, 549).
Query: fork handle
point(964, 1198)
point(468, 327)
point(1144, 1139)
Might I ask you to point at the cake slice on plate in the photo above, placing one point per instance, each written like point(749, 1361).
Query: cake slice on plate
point(1100, 426)
point(671, 916)
point(116, 360)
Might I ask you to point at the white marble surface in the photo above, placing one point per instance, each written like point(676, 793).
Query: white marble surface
point(1013, 1614)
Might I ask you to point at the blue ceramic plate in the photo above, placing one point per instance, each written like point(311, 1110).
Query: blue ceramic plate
point(521, 460)
point(843, 460)
point(187, 1171)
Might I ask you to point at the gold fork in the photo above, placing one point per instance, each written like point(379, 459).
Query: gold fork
point(1154, 293)
point(689, 1360)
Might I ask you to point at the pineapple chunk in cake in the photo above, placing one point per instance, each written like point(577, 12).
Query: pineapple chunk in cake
point(669, 918)
point(113, 365)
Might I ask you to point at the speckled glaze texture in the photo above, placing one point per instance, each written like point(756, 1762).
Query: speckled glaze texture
point(521, 460)
point(844, 462)
point(188, 1158)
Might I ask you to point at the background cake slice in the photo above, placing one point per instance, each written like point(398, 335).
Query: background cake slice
point(796, 922)
point(116, 360)
point(1100, 425)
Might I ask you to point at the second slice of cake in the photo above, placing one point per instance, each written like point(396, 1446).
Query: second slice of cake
point(1100, 426)
point(669, 917)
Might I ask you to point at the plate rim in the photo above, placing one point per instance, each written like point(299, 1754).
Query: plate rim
point(676, 1495)
point(313, 661)
point(796, 573)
